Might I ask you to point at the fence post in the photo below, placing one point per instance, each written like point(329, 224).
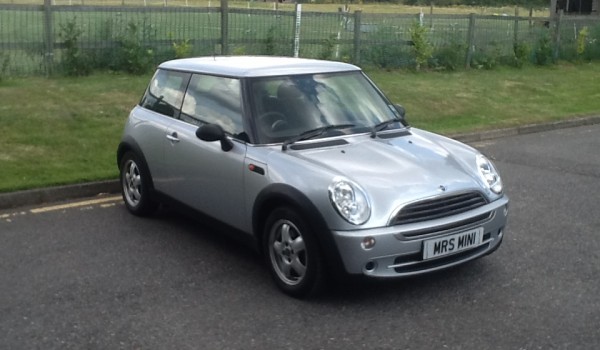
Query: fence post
point(516, 28)
point(48, 37)
point(530, 18)
point(557, 36)
point(298, 17)
point(357, 25)
point(470, 41)
point(224, 27)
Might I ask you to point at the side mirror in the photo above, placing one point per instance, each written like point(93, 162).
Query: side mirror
point(401, 110)
point(214, 132)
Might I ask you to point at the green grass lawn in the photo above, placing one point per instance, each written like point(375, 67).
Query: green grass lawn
point(66, 130)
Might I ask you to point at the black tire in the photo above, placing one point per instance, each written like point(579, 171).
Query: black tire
point(292, 254)
point(135, 185)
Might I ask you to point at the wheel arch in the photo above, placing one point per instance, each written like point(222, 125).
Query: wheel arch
point(128, 144)
point(279, 195)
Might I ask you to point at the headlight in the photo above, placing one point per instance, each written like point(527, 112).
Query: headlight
point(350, 201)
point(489, 174)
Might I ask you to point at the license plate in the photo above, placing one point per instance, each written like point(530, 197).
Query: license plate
point(451, 244)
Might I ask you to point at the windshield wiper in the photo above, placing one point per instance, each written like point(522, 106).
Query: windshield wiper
point(377, 128)
point(309, 134)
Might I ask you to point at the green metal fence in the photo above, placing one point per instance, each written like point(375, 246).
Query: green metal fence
point(33, 38)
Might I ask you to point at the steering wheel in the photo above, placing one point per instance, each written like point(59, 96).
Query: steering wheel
point(272, 121)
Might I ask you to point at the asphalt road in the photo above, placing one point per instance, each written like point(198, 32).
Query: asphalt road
point(90, 276)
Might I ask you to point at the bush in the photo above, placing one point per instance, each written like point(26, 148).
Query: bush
point(387, 51)
point(487, 58)
point(272, 46)
point(451, 56)
point(4, 61)
point(386, 56)
point(327, 49)
point(74, 61)
point(543, 53)
point(593, 44)
point(421, 49)
point(522, 53)
point(182, 49)
point(132, 56)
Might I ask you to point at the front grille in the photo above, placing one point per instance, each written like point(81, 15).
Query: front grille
point(439, 207)
point(479, 219)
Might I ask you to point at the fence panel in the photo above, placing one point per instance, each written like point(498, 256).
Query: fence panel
point(22, 39)
point(254, 32)
point(34, 38)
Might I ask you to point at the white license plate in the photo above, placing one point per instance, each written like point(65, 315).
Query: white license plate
point(451, 244)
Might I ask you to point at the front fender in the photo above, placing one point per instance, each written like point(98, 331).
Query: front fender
point(279, 194)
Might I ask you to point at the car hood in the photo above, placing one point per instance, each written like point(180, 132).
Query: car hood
point(399, 170)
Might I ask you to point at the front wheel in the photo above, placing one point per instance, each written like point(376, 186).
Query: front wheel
point(135, 186)
point(293, 254)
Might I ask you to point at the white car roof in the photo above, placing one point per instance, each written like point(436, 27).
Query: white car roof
point(256, 66)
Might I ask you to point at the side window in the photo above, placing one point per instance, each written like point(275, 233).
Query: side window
point(165, 92)
point(214, 100)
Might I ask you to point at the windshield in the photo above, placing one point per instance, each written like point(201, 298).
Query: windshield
point(285, 107)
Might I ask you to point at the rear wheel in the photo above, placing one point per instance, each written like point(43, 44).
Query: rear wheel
point(293, 254)
point(135, 185)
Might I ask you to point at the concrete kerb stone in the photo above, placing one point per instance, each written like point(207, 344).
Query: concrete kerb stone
point(60, 193)
point(56, 194)
point(525, 129)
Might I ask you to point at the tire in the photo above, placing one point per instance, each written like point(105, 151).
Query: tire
point(135, 186)
point(292, 254)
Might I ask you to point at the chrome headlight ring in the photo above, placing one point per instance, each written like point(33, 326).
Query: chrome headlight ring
point(350, 201)
point(489, 174)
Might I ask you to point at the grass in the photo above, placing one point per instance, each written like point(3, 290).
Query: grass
point(66, 130)
point(484, 100)
point(63, 130)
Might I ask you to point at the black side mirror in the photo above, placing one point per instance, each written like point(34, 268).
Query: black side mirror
point(214, 132)
point(401, 110)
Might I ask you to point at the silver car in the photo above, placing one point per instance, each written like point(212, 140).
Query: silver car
point(311, 161)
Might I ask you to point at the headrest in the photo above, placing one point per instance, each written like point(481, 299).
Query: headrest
point(288, 91)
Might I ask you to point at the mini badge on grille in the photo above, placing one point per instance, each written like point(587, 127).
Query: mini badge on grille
point(442, 188)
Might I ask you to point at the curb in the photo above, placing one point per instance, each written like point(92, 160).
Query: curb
point(61, 193)
point(56, 194)
point(525, 129)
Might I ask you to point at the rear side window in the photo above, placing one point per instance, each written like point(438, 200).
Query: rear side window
point(165, 92)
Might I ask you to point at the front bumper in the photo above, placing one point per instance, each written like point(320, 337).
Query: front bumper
point(398, 250)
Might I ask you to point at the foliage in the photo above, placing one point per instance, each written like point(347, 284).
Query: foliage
point(270, 43)
point(327, 49)
point(132, 55)
point(484, 3)
point(182, 49)
point(582, 40)
point(421, 47)
point(543, 53)
point(486, 58)
point(522, 52)
point(451, 56)
point(593, 47)
point(4, 61)
point(385, 56)
point(387, 51)
point(74, 61)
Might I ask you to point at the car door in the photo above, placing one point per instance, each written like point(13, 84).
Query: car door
point(158, 109)
point(201, 174)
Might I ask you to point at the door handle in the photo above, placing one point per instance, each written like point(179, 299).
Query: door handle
point(173, 137)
